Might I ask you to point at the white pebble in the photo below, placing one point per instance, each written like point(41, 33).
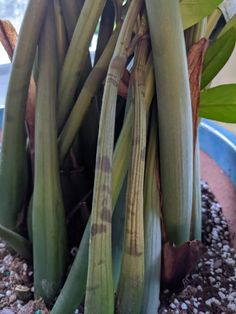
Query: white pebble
point(8, 293)
point(208, 302)
point(230, 298)
point(231, 306)
point(184, 306)
point(221, 295)
point(173, 306)
point(25, 267)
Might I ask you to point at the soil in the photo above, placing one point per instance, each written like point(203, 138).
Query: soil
point(211, 288)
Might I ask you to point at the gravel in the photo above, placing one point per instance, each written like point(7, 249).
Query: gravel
point(211, 288)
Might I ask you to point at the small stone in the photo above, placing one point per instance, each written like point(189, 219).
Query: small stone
point(195, 304)
point(7, 311)
point(215, 301)
point(184, 306)
point(23, 292)
point(221, 295)
point(219, 271)
point(173, 306)
point(230, 298)
point(212, 280)
point(199, 288)
point(8, 293)
point(12, 298)
point(208, 302)
point(25, 267)
point(232, 307)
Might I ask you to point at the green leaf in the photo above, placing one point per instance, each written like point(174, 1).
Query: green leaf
point(230, 23)
point(193, 11)
point(219, 103)
point(18, 243)
point(217, 55)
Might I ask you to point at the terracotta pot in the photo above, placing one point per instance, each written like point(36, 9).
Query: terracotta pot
point(218, 168)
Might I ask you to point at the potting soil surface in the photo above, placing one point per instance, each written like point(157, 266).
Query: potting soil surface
point(211, 288)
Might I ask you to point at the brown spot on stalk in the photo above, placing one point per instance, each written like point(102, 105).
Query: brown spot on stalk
point(106, 188)
point(92, 288)
point(133, 250)
point(98, 229)
point(143, 153)
point(106, 215)
point(195, 63)
point(103, 163)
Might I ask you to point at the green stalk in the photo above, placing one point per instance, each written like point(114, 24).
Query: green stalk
point(196, 224)
point(73, 65)
point(13, 175)
point(60, 33)
point(48, 219)
point(71, 11)
point(174, 116)
point(152, 225)
point(131, 284)
point(16, 242)
point(91, 86)
point(99, 290)
point(118, 219)
point(123, 145)
point(74, 287)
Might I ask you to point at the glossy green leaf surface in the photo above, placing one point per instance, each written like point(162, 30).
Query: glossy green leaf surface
point(219, 103)
point(217, 55)
point(193, 11)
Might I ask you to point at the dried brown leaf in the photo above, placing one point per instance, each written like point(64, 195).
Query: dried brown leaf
point(195, 63)
point(8, 37)
point(177, 262)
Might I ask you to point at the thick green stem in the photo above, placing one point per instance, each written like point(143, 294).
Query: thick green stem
point(174, 111)
point(48, 212)
point(196, 225)
point(131, 284)
point(152, 224)
point(99, 289)
point(91, 86)
point(18, 243)
point(74, 288)
point(73, 65)
point(60, 33)
point(13, 168)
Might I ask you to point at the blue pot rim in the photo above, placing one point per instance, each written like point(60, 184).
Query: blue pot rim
point(220, 145)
